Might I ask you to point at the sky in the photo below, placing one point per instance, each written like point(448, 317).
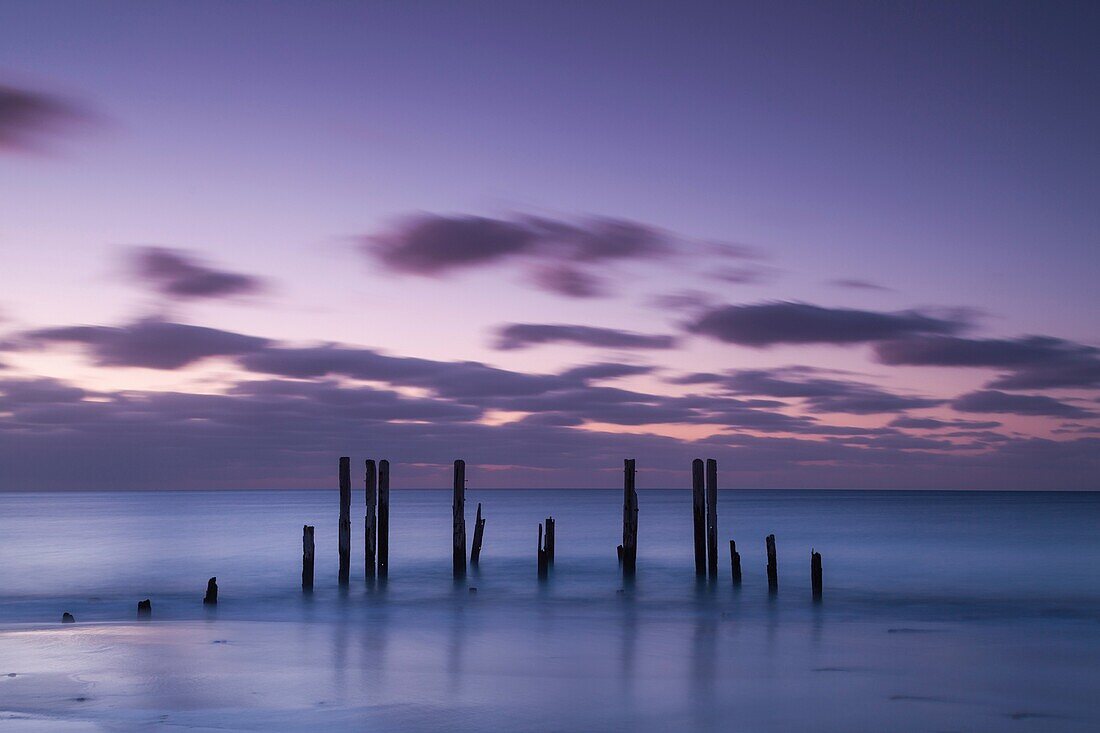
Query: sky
point(828, 244)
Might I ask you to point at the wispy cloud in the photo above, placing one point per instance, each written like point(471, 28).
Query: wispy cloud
point(523, 335)
point(179, 275)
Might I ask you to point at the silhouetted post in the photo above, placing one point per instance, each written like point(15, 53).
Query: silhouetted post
point(735, 563)
point(773, 570)
point(712, 518)
point(383, 518)
point(211, 597)
point(345, 520)
point(307, 558)
point(458, 521)
point(479, 534)
point(815, 574)
point(68, 618)
point(370, 522)
point(145, 609)
point(549, 545)
point(630, 519)
point(699, 515)
point(544, 565)
point(619, 552)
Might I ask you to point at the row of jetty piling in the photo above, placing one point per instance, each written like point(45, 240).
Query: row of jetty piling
point(704, 502)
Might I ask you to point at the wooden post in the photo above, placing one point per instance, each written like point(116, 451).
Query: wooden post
point(712, 518)
point(458, 521)
point(68, 618)
point(345, 520)
point(699, 516)
point(145, 609)
point(549, 545)
point(479, 534)
point(307, 558)
point(735, 563)
point(544, 565)
point(619, 552)
point(383, 518)
point(773, 570)
point(370, 522)
point(211, 597)
point(815, 574)
point(630, 519)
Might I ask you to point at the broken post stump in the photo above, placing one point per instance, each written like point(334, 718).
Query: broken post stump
point(383, 518)
point(735, 563)
point(630, 519)
point(619, 552)
point(815, 574)
point(699, 516)
point(345, 520)
point(145, 608)
point(307, 558)
point(712, 518)
point(211, 597)
point(370, 522)
point(773, 570)
point(68, 618)
point(479, 534)
point(544, 566)
point(458, 521)
point(549, 544)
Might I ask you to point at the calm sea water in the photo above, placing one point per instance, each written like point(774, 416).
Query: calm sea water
point(942, 611)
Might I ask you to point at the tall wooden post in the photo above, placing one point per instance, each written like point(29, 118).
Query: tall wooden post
point(383, 518)
point(815, 574)
point(773, 568)
point(630, 519)
point(544, 565)
point(699, 516)
point(307, 558)
point(549, 545)
point(735, 563)
point(712, 518)
point(458, 521)
point(345, 520)
point(211, 597)
point(370, 521)
point(479, 535)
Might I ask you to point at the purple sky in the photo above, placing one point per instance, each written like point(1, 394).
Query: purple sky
point(830, 245)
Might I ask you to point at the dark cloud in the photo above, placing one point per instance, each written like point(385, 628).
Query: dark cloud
point(993, 401)
point(819, 394)
point(766, 324)
point(929, 423)
point(177, 274)
point(1035, 362)
point(151, 343)
point(568, 281)
point(745, 275)
point(856, 284)
point(522, 335)
point(26, 117)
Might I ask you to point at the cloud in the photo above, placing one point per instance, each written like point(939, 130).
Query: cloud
point(568, 281)
point(745, 275)
point(819, 394)
point(856, 284)
point(992, 401)
point(929, 423)
point(26, 117)
point(766, 324)
point(150, 343)
point(1035, 362)
point(178, 275)
point(523, 335)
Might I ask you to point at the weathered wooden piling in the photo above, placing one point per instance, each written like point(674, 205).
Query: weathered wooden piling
point(699, 516)
point(68, 618)
point(211, 597)
point(145, 608)
point(479, 534)
point(619, 552)
point(458, 521)
point(712, 518)
point(307, 558)
point(735, 563)
point(549, 544)
point(345, 520)
point(773, 570)
point(815, 574)
point(630, 519)
point(370, 521)
point(544, 565)
point(383, 518)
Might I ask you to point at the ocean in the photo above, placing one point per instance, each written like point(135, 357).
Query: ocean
point(942, 611)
